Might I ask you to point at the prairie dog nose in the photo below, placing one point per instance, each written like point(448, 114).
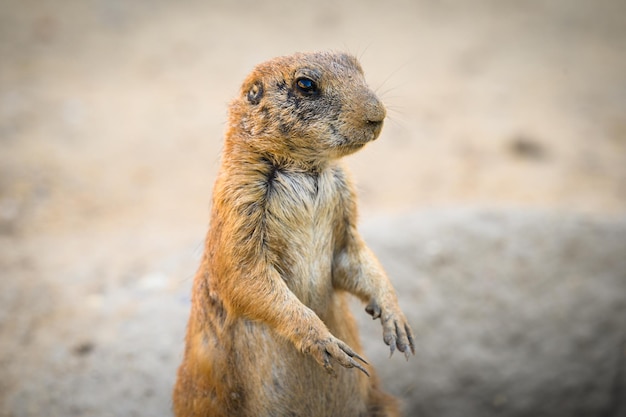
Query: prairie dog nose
point(374, 110)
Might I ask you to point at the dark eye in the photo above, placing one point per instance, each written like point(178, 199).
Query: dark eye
point(306, 85)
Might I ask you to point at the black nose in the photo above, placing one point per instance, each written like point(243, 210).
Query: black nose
point(375, 127)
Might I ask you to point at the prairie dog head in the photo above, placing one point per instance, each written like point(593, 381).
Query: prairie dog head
point(308, 107)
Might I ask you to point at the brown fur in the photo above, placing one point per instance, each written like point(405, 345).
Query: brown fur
point(270, 332)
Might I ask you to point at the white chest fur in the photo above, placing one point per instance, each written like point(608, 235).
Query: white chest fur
point(301, 215)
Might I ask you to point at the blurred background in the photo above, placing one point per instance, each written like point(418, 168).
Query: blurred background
point(495, 196)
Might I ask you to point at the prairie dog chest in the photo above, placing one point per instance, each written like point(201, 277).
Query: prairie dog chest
point(303, 214)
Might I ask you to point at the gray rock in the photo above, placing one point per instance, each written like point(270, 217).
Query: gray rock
point(515, 313)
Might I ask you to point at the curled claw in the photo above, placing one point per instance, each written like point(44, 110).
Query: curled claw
point(347, 359)
point(409, 334)
point(389, 334)
point(390, 340)
point(405, 340)
point(398, 334)
point(351, 363)
point(327, 350)
point(360, 368)
point(348, 350)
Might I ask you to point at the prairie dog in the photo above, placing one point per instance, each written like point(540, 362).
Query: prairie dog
point(270, 332)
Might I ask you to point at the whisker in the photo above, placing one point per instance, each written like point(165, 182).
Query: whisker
point(394, 72)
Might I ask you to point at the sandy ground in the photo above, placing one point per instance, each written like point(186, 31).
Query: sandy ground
point(111, 121)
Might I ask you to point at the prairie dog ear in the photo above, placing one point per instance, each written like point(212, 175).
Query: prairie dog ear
point(255, 92)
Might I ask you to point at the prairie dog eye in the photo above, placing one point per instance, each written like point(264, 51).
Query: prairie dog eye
point(306, 86)
point(255, 93)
